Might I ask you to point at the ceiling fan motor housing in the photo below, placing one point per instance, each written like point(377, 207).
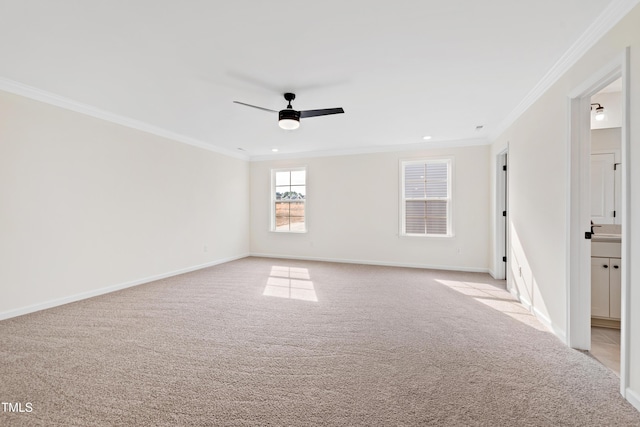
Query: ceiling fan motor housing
point(289, 114)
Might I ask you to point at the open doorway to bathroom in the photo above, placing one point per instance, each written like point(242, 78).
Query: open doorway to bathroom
point(582, 262)
point(606, 220)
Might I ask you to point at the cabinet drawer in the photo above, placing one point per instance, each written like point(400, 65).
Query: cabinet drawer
point(606, 249)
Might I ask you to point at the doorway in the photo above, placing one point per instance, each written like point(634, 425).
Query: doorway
point(606, 219)
point(579, 254)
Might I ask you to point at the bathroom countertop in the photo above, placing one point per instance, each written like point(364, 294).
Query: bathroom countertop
point(610, 238)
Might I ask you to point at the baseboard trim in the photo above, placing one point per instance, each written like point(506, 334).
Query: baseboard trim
point(513, 291)
point(525, 302)
point(549, 325)
point(369, 262)
point(605, 323)
point(108, 289)
point(633, 398)
point(540, 316)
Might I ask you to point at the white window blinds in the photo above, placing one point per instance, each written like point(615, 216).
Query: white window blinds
point(426, 197)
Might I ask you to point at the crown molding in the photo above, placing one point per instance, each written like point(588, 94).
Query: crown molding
point(31, 92)
point(617, 10)
point(422, 146)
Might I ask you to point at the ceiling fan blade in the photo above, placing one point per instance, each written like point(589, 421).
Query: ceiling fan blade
point(255, 106)
point(325, 112)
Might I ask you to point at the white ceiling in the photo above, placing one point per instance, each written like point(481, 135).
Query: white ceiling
point(400, 69)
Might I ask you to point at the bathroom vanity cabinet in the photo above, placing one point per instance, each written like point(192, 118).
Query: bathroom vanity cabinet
point(606, 269)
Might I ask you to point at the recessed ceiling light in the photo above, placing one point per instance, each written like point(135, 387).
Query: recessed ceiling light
point(275, 150)
point(426, 137)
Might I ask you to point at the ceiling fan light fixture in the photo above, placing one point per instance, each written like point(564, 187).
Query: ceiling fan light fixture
point(289, 124)
point(289, 119)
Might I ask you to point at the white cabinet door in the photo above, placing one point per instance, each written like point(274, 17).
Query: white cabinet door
point(602, 188)
point(600, 287)
point(615, 282)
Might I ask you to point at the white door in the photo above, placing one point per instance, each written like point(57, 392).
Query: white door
point(603, 188)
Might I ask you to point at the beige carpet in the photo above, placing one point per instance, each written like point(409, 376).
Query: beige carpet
point(380, 347)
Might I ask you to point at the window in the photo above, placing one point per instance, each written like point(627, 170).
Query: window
point(426, 198)
point(288, 195)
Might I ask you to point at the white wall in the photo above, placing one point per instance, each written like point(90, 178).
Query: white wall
point(606, 139)
point(87, 205)
point(352, 211)
point(538, 189)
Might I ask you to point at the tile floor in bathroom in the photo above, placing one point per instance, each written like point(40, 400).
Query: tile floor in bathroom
point(605, 346)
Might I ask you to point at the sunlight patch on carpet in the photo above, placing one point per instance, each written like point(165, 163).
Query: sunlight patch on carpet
point(495, 298)
point(291, 283)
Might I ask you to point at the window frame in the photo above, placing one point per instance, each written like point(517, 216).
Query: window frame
point(272, 198)
point(449, 160)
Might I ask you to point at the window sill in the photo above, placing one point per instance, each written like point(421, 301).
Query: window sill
point(437, 236)
point(288, 231)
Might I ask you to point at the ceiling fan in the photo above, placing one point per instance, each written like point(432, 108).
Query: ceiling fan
point(289, 118)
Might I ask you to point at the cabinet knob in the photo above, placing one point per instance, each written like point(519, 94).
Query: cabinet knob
point(615, 266)
point(605, 266)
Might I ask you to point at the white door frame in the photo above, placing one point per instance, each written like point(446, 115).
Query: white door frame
point(579, 248)
point(501, 233)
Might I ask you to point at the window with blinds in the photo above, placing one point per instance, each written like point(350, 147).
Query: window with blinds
point(426, 197)
point(288, 195)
